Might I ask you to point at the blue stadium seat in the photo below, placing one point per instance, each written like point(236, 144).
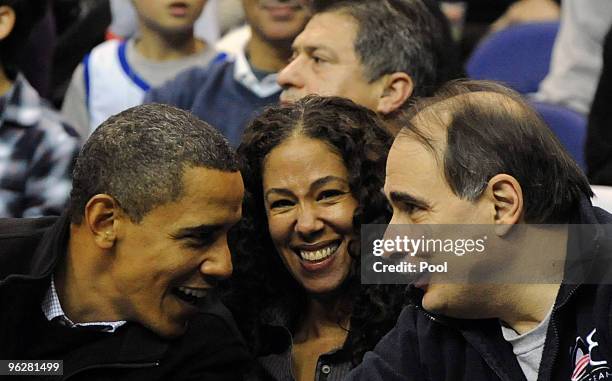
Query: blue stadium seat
point(569, 127)
point(518, 56)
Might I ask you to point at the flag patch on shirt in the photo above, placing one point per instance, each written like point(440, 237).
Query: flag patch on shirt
point(587, 364)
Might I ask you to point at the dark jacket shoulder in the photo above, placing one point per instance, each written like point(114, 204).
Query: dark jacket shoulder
point(19, 239)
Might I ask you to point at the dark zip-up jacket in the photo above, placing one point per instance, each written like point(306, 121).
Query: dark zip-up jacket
point(211, 349)
point(578, 345)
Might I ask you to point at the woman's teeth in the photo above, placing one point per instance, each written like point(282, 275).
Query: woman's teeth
point(319, 255)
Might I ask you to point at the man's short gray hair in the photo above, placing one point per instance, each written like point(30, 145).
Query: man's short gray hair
point(139, 155)
point(398, 36)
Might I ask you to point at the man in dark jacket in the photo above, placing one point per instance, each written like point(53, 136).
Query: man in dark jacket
point(119, 287)
point(484, 157)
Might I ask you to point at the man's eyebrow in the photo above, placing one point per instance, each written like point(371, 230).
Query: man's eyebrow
point(405, 198)
point(312, 48)
point(199, 231)
point(324, 49)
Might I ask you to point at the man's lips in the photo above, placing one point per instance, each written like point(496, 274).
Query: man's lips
point(282, 10)
point(178, 9)
point(191, 295)
point(288, 97)
point(281, 3)
point(422, 281)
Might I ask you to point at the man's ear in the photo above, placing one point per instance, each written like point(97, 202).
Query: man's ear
point(7, 21)
point(101, 218)
point(398, 88)
point(507, 196)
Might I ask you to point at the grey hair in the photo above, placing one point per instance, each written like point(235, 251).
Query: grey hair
point(394, 36)
point(138, 157)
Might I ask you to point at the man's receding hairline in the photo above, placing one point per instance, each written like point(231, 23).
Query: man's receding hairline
point(433, 120)
point(480, 99)
point(441, 112)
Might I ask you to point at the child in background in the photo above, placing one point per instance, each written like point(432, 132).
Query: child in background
point(37, 147)
point(231, 91)
point(116, 74)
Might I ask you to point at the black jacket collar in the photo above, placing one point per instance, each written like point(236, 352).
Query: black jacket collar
point(52, 247)
point(132, 343)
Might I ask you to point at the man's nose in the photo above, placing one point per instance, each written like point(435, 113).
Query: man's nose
point(290, 76)
point(218, 263)
point(400, 219)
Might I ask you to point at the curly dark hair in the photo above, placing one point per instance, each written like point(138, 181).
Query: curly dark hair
point(261, 282)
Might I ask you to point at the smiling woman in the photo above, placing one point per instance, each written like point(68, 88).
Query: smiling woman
point(313, 171)
point(310, 212)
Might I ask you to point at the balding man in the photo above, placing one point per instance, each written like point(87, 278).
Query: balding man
point(486, 159)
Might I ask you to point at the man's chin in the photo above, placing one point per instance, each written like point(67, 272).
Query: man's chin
point(443, 305)
point(170, 330)
point(431, 302)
